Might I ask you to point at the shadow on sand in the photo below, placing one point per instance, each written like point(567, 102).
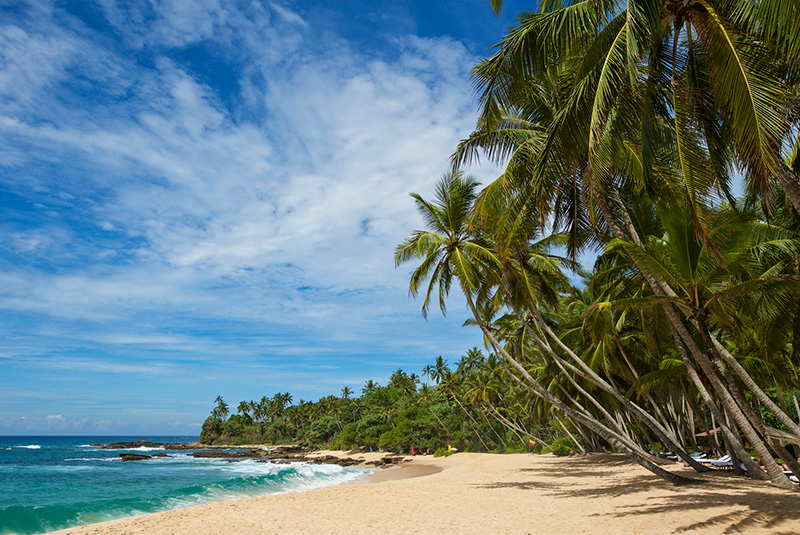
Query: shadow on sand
point(749, 504)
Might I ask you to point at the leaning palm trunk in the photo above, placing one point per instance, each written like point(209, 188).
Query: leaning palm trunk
point(517, 429)
point(531, 385)
point(571, 436)
point(663, 434)
point(660, 287)
point(470, 421)
point(665, 289)
point(776, 475)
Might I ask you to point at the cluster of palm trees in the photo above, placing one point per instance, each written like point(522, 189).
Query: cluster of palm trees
point(622, 126)
point(469, 408)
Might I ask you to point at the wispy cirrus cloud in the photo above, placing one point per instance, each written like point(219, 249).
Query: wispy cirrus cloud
point(246, 206)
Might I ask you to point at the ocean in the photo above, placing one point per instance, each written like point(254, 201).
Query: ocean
point(52, 483)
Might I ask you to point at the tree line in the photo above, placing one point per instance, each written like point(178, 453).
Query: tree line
point(443, 408)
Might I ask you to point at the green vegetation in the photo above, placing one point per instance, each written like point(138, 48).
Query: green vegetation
point(454, 408)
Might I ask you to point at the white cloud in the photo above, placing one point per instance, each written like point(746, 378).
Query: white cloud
point(273, 210)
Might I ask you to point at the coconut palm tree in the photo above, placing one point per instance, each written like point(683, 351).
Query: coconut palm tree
point(453, 248)
point(718, 73)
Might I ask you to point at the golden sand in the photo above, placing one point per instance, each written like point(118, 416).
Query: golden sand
point(483, 494)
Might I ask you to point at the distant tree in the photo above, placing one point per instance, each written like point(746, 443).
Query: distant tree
point(369, 386)
point(220, 410)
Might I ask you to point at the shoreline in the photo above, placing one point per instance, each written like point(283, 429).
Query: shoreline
point(472, 494)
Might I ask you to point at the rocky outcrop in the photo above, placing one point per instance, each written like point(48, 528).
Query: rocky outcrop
point(388, 460)
point(133, 457)
point(247, 454)
point(278, 454)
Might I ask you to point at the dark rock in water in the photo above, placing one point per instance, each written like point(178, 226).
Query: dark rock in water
point(233, 460)
point(184, 446)
point(330, 459)
point(161, 454)
point(246, 454)
point(133, 457)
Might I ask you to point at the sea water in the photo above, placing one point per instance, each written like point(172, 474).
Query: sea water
point(52, 483)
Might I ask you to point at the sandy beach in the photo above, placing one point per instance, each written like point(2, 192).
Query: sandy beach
point(472, 493)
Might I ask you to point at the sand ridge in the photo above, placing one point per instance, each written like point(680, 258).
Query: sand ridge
point(478, 494)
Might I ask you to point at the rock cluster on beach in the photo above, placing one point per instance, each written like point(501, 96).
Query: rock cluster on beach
point(277, 454)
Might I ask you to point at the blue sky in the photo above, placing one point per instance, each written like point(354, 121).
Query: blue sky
point(203, 198)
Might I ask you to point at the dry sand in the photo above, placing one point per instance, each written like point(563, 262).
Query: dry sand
point(472, 493)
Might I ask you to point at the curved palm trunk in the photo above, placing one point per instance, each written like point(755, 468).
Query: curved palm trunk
point(776, 475)
point(788, 182)
point(751, 385)
point(662, 433)
point(446, 430)
point(533, 386)
point(470, 422)
point(660, 287)
point(517, 429)
point(501, 439)
point(571, 436)
point(659, 413)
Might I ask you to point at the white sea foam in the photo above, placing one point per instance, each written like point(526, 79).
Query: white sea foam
point(301, 477)
point(30, 447)
point(144, 448)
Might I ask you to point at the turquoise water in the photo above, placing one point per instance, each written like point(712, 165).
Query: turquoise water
point(51, 483)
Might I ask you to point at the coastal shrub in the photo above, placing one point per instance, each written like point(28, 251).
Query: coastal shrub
point(348, 437)
point(369, 430)
point(561, 446)
point(517, 447)
point(234, 426)
point(397, 438)
point(322, 430)
point(212, 429)
point(278, 432)
point(442, 452)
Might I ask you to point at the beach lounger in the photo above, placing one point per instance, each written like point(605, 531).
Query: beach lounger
point(723, 459)
point(723, 462)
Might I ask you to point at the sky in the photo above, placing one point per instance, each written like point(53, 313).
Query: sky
point(203, 198)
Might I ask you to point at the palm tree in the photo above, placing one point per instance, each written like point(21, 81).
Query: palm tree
point(718, 75)
point(453, 248)
point(642, 113)
point(346, 392)
point(369, 386)
point(440, 368)
point(221, 409)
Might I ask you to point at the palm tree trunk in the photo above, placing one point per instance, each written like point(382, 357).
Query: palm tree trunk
point(660, 287)
point(732, 442)
point(751, 385)
point(776, 475)
point(788, 181)
point(533, 386)
point(470, 422)
point(662, 433)
point(517, 429)
point(571, 436)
